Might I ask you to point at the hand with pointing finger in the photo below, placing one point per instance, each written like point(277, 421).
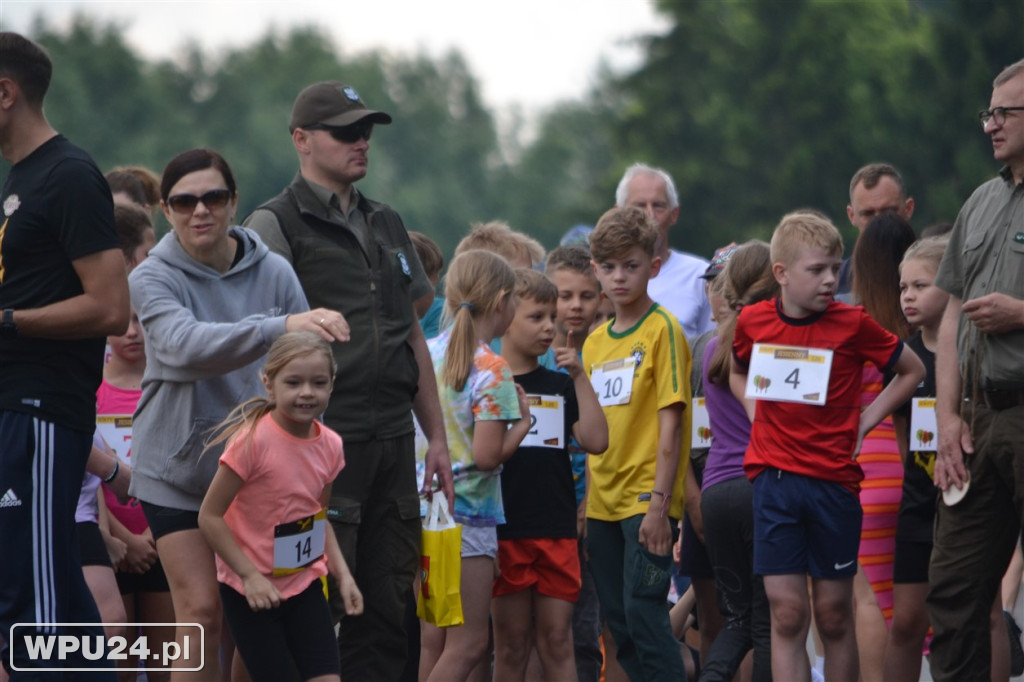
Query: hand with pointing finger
point(567, 358)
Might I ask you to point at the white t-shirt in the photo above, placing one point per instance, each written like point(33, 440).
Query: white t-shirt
point(679, 288)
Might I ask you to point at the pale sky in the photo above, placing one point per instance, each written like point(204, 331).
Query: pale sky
point(526, 52)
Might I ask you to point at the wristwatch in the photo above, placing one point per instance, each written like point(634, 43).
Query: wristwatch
point(8, 328)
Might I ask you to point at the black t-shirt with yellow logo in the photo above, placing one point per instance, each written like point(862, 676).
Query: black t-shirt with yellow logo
point(917, 509)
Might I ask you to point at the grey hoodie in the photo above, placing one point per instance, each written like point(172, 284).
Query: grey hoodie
point(206, 333)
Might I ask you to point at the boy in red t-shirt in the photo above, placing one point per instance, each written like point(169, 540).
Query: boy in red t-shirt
point(800, 358)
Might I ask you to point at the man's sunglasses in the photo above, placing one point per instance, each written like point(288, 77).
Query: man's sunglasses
point(347, 134)
point(212, 200)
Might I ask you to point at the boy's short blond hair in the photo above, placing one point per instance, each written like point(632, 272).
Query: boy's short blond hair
point(804, 228)
point(534, 286)
point(572, 258)
point(619, 230)
point(497, 237)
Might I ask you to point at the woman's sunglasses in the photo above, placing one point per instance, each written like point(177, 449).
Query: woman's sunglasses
point(212, 200)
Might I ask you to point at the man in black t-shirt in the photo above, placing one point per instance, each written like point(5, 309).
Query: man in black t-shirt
point(62, 290)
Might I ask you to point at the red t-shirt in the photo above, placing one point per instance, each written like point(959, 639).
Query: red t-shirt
point(811, 440)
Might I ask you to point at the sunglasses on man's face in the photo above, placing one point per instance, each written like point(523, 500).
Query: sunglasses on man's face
point(347, 134)
point(212, 200)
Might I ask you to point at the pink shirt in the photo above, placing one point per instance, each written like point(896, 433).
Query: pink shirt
point(114, 409)
point(282, 478)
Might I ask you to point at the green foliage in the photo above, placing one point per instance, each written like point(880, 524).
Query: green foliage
point(760, 108)
point(756, 108)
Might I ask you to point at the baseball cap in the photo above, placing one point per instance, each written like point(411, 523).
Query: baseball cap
point(577, 235)
point(332, 103)
point(719, 260)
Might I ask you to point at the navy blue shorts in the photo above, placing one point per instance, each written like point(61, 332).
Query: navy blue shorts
point(805, 525)
point(41, 470)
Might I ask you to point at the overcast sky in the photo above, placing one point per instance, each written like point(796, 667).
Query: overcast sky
point(526, 52)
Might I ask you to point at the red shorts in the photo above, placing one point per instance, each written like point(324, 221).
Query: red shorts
point(551, 566)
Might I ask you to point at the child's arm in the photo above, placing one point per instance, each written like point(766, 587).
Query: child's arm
point(141, 554)
point(104, 464)
point(350, 594)
point(909, 373)
point(656, 529)
point(494, 441)
point(116, 547)
point(738, 386)
point(427, 408)
point(259, 591)
point(591, 429)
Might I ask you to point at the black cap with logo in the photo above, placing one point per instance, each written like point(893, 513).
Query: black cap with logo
point(333, 104)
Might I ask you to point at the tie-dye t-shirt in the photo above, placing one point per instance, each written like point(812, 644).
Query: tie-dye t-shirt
point(489, 393)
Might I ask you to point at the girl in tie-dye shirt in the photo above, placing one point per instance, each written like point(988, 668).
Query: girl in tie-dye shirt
point(486, 417)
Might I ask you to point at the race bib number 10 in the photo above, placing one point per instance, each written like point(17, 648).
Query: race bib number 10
point(613, 381)
point(789, 374)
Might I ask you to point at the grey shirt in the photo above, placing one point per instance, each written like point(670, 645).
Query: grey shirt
point(986, 255)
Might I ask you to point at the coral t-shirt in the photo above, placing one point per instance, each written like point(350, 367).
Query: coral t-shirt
point(279, 502)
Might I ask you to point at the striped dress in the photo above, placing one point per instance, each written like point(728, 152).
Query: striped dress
point(880, 494)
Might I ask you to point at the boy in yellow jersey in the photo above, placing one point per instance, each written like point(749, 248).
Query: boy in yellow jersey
point(639, 365)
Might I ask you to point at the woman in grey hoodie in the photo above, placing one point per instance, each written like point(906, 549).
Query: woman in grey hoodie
point(211, 299)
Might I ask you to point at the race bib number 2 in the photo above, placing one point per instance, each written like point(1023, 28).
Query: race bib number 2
point(547, 422)
point(613, 381)
point(299, 543)
point(789, 374)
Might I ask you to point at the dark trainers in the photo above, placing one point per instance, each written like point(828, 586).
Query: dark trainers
point(1016, 650)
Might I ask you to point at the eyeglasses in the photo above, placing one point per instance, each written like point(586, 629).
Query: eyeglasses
point(212, 200)
point(997, 114)
point(348, 134)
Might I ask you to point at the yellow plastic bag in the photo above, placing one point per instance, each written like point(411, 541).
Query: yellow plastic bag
point(440, 602)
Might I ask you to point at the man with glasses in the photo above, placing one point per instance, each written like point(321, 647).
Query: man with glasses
point(353, 255)
point(980, 404)
point(875, 189)
point(62, 290)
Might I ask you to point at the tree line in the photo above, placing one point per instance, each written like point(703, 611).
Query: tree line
point(755, 108)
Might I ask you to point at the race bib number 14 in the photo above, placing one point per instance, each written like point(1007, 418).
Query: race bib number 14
point(789, 374)
point(299, 543)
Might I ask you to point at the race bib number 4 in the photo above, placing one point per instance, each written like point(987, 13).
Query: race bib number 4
point(923, 425)
point(789, 374)
point(613, 381)
point(547, 422)
point(299, 543)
